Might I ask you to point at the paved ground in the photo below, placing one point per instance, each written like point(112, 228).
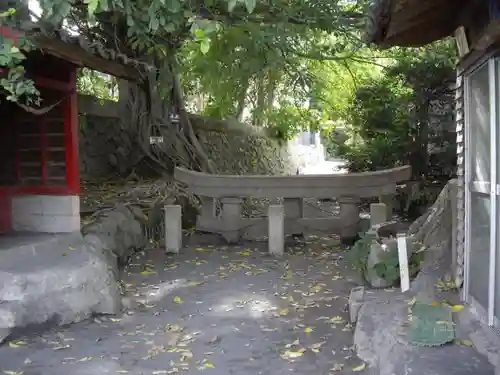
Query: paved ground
point(214, 310)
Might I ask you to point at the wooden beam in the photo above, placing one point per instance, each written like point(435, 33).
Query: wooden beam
point(462, 42)
point(77, 55)
point(490, 35)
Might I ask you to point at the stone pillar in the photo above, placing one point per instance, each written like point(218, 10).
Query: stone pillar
point(231, 215)
point(173, 228)
point(349, 218)
point(378, 214)
point(388, 200)
point(276, 229)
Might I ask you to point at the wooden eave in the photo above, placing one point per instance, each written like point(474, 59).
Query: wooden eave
point(78, 55)
point(414, 23)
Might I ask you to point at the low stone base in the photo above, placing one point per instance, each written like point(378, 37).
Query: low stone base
point(53, 280)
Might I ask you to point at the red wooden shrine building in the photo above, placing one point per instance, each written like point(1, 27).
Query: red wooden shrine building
point(39, 165)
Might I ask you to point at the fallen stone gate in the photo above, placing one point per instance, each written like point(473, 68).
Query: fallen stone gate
point(288, 217)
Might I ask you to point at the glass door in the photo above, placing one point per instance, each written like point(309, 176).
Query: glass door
point(478, 187)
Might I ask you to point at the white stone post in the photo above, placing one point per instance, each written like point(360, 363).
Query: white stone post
point(231, 217)
point(388, 200)
point(173, 228)
point(403, 262)
point(378, 214)
point(349, 218)
point(276, 229)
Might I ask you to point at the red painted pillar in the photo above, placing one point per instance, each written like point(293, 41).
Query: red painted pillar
point(71, 131)
point(5, 212)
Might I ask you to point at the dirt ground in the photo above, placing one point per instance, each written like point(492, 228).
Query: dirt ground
point(211, 309)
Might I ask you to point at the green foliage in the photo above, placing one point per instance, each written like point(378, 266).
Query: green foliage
point(96, 84)
point(357, 256)
point(387, 116)
point(290, 120)
point(388, 268)
point(380, 117)
point(15, 85)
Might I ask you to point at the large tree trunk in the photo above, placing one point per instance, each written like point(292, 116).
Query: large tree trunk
point(147, 113)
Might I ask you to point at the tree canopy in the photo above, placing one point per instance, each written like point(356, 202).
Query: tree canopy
point(279, 65)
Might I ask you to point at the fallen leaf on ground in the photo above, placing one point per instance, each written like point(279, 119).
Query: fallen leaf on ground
point(147, 273)
point(308, 330)
point(316, 348)
point(173, 328)
point(85, 359)
point(295, 343)
point(283, 312)
point(115, 320)
point(178, 299)
point(206, 365)
point(464, 342)
point(290, 354)
point(195, 283)
point(7, 372)
point(17, 344)
point(337, 367)
point(457, 308)
point(359, 368)
point(245, 253)
point(336, 319)
point(61, 347)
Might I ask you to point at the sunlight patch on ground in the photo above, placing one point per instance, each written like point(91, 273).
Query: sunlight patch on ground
point(156, 292)
point(248, 305)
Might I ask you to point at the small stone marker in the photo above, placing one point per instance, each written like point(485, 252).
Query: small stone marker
point(173, 228)
point(403, 262)
point(276, 229)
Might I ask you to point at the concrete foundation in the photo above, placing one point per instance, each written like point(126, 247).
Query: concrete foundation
point(45, 213)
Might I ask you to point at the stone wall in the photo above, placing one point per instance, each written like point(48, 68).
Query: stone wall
point(106, 148)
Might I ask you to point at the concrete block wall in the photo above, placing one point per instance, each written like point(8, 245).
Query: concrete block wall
point(46, 213)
